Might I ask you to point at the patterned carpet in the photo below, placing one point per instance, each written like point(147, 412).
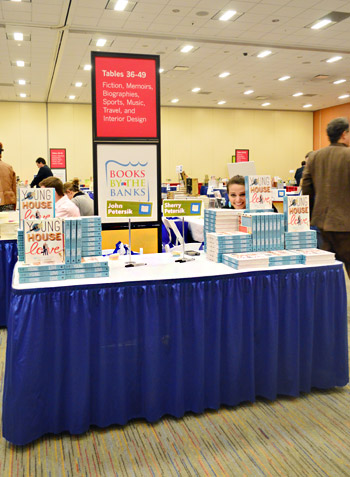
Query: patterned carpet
point(305, 436)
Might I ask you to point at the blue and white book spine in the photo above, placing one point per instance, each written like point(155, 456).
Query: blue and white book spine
point(73, 241)
point(285, 212)
point(262, 227)
point(67, 240)
point(246, 185)
point(22, 268)
point(44, 273)
point(47, 278)
point(281, 232)
point(79, 240)
point(267, 232)
point(87, 275)
point(274, 231)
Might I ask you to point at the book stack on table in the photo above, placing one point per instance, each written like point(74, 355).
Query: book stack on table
point(284, 257)
point(227, 242)
point(267, 229)
point(315, 256)
point(82, 254)
point(297, 240)
point(241, 261)
point(91, 236)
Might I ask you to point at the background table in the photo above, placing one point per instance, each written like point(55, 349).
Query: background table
point(8, 259)
point(200, 337)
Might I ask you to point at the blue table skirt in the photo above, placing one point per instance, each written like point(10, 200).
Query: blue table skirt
point(8, 259)
point(102, 355)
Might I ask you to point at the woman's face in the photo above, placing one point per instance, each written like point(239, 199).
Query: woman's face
point(70, 194)
point(236, 195)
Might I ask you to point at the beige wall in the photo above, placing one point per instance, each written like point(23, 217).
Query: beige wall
point(202, 140)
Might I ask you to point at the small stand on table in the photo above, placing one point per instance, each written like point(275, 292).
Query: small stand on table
point(130, 263)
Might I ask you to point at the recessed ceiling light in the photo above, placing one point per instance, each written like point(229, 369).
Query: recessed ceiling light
point(186, 48)
point(20, 63)
point(16, 0)
point(175, 100)
point(343, 96)
point(297, 94)
point(249, 91)
point(23, 95)
point(321, 24)
point(18, 36)
point(78, 84)
point(71, 96)
point(22, 82)
point(227, 15)
point(195, 90)
point(307, 105)
point(265, 104)
point(87, 67)
point(161, 70)
point(224, 74)
point(284, 78)
point(120, 5)
point(333, 59)
point(101, 42)
point(264, 53)
point(221, 102)
point(339, 81)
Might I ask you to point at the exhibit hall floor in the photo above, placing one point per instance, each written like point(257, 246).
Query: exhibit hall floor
point(304, 436)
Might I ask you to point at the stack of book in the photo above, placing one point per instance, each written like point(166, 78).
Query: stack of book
point(90, 267)
point(315, 256)
point(284, 257)
point(267, 230)
point(227, 242)
point(297, 240)
point(20, 244)
point(91, 236)
point(241, 261)
point(220, 220)
point(36, 272)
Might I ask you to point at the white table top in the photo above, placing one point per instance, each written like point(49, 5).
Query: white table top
point(160, 266)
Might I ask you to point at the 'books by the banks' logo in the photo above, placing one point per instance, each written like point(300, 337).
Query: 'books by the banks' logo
point(127, 181)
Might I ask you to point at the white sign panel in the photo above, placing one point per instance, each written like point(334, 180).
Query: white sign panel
point(126, 173)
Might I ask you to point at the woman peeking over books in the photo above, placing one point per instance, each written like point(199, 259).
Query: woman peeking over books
point(84, 203)
point(236, 193)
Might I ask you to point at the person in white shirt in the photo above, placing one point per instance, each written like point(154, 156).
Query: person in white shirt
point(63, 206)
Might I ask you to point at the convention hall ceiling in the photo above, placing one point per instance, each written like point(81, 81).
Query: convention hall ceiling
point(58, 36)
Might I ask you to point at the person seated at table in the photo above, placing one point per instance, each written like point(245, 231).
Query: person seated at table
point(63, 206)
point(236, 193)
point(84, 203)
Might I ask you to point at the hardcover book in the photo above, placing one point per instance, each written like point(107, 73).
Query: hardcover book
point(36, 203)
point(297, 213)
point(43, 241)
point(258, 192)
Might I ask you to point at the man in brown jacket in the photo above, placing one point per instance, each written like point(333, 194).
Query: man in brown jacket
point(326, 179)
point(7, 185)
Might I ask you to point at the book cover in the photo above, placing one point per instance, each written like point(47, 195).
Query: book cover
point(43, 241)
point(258, 192)
point(297, 213)
point(36, 203)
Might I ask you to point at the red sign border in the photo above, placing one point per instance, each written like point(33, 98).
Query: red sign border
point(98, 54)
point(241, 150)
point(65, 157)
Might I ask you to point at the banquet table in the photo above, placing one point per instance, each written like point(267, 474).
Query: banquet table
point(8, 259)
point(168, 338)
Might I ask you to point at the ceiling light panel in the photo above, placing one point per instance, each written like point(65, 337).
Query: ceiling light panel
point(334, 59)
point(121, 6)
point(264, 54)
point(227, 15)
point(339, 81)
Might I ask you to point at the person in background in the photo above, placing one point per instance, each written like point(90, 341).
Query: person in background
point(326, 180)
point(8, 186)
point(44, 171)
point(236, 193)
point(299, 172)
point(63, 206)
point(84, 203)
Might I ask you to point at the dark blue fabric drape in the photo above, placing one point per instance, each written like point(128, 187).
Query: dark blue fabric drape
point(105, 354)
point(8, 259)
